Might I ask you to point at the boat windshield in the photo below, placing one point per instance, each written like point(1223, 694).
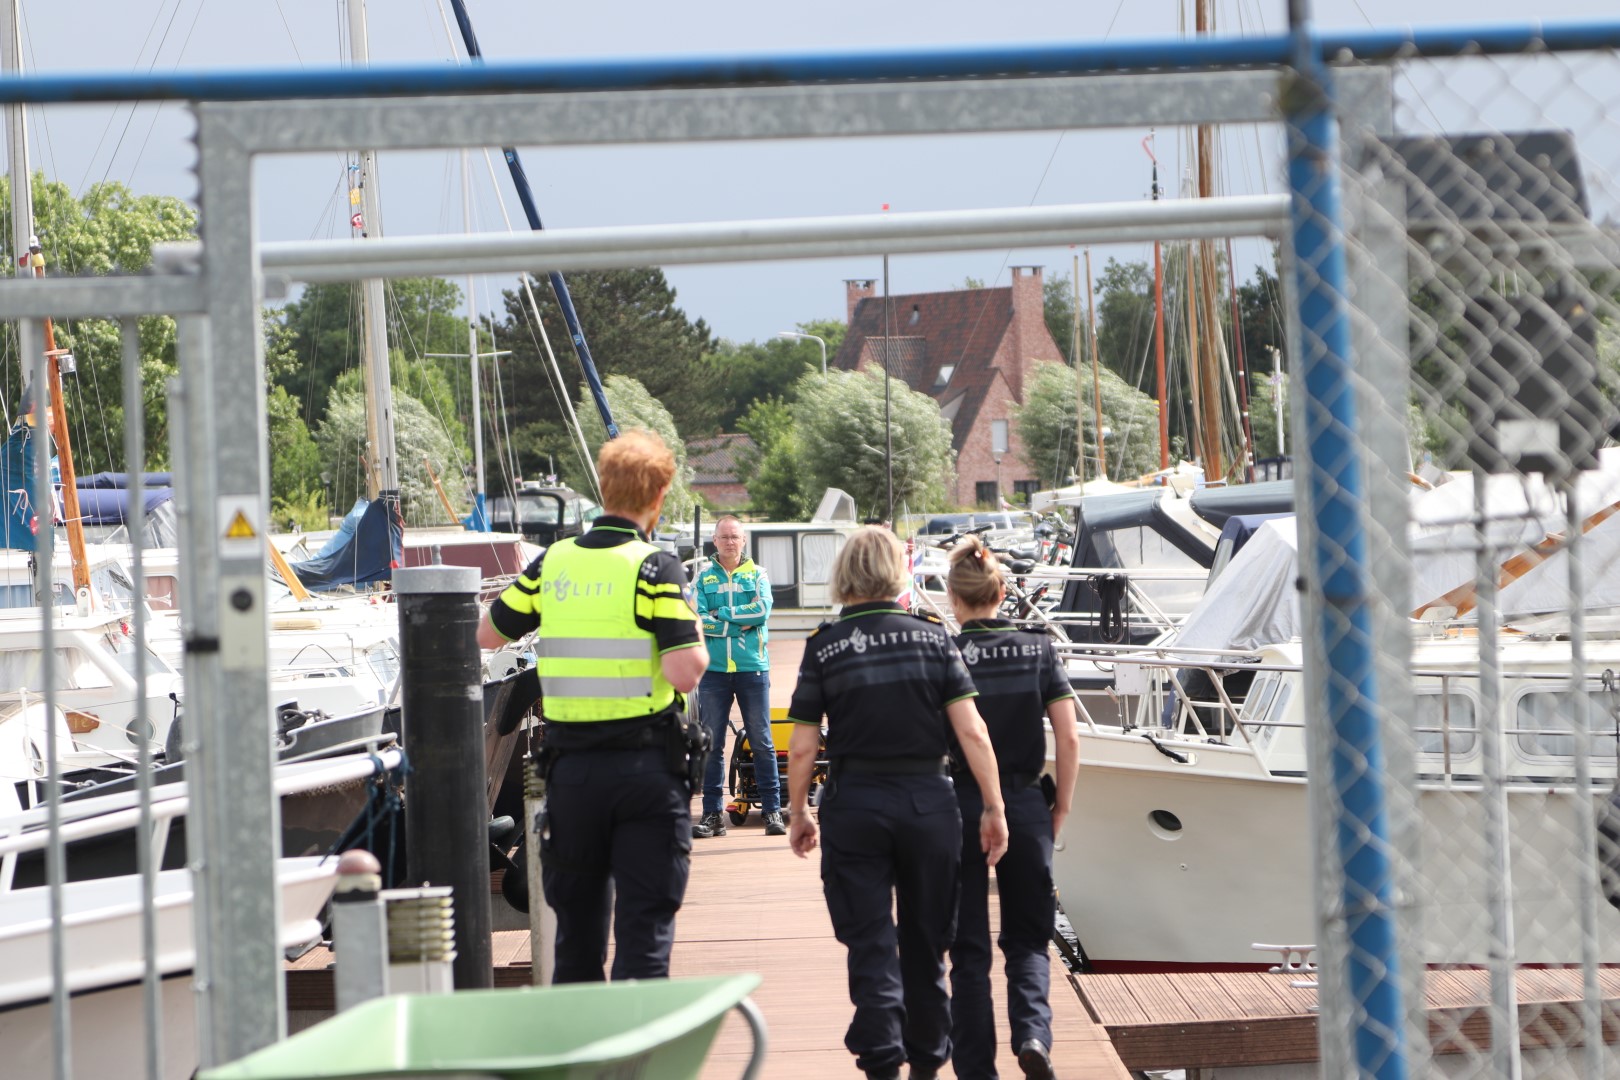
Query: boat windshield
point(21, 670)
point(122, 648)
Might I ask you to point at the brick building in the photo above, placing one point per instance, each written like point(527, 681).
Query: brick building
point(715, 464)
point(970, 350)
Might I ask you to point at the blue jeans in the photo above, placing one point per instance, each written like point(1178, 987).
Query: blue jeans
point(752, 692)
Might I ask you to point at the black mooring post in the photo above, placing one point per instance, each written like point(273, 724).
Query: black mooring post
point(446, 805)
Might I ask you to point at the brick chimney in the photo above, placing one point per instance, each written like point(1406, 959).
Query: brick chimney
point(856, 290)
point(1030, 337)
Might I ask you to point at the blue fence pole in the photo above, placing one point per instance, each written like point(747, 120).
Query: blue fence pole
point(1337, 489)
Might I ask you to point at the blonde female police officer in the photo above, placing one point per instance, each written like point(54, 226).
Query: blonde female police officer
point(891, 686)
point(1018, 676)
point(618, 645)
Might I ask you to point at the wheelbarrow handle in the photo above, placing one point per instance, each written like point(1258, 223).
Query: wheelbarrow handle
point(756, 1024)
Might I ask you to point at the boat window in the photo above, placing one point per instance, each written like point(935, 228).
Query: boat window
point(384, 663)
point(774, 554)
point(819, 550)
point(1444, 716)
point(1543, 724)
point(20, 670)
point(1141, 548)
point(122, 647)
point(538, 511)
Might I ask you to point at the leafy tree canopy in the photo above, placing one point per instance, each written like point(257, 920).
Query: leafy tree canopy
point(634, 328)
point(634, 407)
point(109, 229)
point(1049, 418)
point(418, 435)
point(841, 438)
point(776, 485)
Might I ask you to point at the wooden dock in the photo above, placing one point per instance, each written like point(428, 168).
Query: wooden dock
point(1230, 1020)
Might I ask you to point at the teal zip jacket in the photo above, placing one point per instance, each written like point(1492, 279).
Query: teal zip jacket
point(734, 608)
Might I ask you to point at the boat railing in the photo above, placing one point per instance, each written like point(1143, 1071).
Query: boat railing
point(104, 814)
point(1442, 741)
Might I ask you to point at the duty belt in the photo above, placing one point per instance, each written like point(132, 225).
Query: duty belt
point(899, 766)
point(1010, 781)
point(637, 734)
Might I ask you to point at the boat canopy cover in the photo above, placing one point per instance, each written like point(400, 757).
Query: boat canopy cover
point(1254, 602)
point(1217, 504)
point(120, 480)
point(366, 548)
point(16, 479)
point(108, 508)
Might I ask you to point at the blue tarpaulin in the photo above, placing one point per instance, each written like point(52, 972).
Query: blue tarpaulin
point(366, 548)
point(120, 480)
point(16, 481)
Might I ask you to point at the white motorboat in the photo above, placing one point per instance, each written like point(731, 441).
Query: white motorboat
point(1186, 846)
point(104, 966)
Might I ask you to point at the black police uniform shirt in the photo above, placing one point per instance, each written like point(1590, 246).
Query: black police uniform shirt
point(1018, 674)
point(660, 573)
point(884, 678)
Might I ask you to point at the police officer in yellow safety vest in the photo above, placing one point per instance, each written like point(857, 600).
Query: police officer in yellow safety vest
point(618, 646)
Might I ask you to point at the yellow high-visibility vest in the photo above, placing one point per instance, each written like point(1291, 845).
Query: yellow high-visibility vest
point(594, 662)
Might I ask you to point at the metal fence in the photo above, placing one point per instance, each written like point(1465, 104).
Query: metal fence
point(1481, 262)
point(1455, 284)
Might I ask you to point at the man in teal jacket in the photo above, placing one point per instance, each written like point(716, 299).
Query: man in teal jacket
point(733, 603)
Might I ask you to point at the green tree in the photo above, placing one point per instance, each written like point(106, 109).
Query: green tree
point(109, 229)
point(775, 482)
point(634, 329)
point(1057, 304)
point(753, 371)
point(418, 435)
point(634, 407)
point(841, 441)
point(1048, 420)
point(328, 329)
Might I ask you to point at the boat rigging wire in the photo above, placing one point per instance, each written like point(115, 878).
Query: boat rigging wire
point(559, 285)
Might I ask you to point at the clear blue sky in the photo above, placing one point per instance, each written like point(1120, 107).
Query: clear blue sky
point(148, 148)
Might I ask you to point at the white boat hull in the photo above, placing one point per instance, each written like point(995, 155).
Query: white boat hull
point(1239, 871)
point(104, 968)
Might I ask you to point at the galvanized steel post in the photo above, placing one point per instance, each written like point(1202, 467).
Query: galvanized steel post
point(1337, 485)
point(446, 798)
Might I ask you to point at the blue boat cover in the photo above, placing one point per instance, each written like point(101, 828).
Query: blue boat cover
point(120, 480)
point(366, 548)
point(16, 480)
point(110, 506)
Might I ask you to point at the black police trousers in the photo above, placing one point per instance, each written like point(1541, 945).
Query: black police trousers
point(619, 816)
point(1028, 910)
point(893, 840)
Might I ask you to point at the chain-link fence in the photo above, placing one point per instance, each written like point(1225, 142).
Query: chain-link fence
point(1462, 555)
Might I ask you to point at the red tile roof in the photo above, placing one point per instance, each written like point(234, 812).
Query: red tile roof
point(961, 329)
point(716, 460)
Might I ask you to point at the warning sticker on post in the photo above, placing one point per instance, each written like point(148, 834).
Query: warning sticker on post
point(241, 528)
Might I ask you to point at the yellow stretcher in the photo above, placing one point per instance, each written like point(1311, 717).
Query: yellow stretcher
point(740, 777)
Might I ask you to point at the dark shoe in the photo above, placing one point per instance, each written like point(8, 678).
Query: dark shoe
point(712, 824)
point(1035, 1060)
point(701, 831)
point(774, 825)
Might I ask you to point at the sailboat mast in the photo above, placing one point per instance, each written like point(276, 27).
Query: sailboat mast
point(1204, 357)
point(1158, 324)
point(26, 247)
point(382, 470)
point(480, 519)
point(1096, 376)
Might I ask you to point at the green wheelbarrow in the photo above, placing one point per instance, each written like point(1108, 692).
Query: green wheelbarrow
point(637, 1030)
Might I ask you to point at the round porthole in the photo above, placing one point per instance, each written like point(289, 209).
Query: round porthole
point(1164, 825)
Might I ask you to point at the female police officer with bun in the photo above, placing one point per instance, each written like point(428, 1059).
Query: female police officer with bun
point(1019, 677)
point(891, 686)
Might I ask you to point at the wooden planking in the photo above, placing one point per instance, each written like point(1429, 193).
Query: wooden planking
point(1176, 1021)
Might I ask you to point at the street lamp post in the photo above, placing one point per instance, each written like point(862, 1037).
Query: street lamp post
point(808, 337)
point(997, 458)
